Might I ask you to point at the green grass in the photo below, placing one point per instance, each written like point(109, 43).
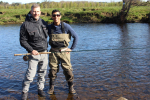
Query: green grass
point(76, 14)
point(137, 13)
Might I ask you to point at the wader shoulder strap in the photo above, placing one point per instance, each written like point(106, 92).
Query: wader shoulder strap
point(52, 29)
point(62, 28)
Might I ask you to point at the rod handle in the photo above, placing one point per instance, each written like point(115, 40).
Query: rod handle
point(31, 54)
point(22, 54)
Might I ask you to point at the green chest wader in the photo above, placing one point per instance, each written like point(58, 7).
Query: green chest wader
point(63, 57)
point(63, 37)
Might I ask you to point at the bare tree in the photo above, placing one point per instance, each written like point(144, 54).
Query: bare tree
point(125, 10)
point(132, 0)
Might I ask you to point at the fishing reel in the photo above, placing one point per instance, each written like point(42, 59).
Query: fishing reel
point(25, 58)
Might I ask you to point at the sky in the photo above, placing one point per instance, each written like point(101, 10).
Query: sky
point(31, 1)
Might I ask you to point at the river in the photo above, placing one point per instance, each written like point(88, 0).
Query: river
point(112, 61)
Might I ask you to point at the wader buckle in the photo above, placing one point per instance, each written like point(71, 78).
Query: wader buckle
point(60, 50)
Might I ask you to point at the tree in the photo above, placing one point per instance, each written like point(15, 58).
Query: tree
point(41, 5)
point(27, 6)
point(132, 0)
point(121, 15)
point(125, 9)
point(1, 2)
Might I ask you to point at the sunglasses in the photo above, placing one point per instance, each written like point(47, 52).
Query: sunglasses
point(58, 15)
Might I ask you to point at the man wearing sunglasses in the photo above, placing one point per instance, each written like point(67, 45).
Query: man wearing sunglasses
point(60, 34)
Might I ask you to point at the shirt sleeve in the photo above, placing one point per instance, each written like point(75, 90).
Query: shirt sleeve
point(24, 39)
point(73, 34)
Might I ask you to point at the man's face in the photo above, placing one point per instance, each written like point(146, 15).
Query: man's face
point(56, 17)
point(36, 13)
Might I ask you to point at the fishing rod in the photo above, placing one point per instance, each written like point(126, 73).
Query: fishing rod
point(31, 53)
point(80, 51)
point(44, 53)
point(25, 57)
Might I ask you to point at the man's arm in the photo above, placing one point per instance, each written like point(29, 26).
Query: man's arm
point(74, 35)
point(24, 39)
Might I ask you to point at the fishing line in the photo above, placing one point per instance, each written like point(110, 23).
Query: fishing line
point(110, 49)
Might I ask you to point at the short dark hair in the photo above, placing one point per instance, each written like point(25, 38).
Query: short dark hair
point(55, 10)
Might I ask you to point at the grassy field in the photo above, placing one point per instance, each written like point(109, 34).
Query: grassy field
point(77, 14)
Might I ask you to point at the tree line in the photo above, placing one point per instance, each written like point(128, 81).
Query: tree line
point(62, 4)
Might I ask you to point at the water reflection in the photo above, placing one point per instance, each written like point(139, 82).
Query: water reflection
point(70, 97)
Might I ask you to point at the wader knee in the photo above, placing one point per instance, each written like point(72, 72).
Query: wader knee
point(68, 75)
point(52, 74)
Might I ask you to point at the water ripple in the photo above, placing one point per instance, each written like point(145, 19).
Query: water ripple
point(100, 75)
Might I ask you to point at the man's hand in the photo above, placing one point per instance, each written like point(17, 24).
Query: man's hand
point(34, 52)
point(68, 49)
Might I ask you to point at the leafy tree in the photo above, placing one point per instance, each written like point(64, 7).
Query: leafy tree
point(59, 5)
point(41, 5)
point(27, 6)
point(71, 4)
point(1, 2)
point(97, 4)
point(23, 6)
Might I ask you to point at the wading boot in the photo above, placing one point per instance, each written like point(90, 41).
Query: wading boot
point(51, 90)
point(24, 96)
point(71, 89)
point(41, 93)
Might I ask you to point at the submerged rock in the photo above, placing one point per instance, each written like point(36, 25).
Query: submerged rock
point(122, 98)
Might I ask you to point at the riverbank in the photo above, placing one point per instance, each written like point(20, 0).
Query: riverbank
point(79, 15)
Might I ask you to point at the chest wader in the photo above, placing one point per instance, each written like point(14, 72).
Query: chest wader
point(62, 57)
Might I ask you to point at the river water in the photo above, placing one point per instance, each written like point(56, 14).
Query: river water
point(114, 63)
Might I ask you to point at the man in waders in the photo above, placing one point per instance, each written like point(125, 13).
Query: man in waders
point(60, 34)
point(33, 37)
